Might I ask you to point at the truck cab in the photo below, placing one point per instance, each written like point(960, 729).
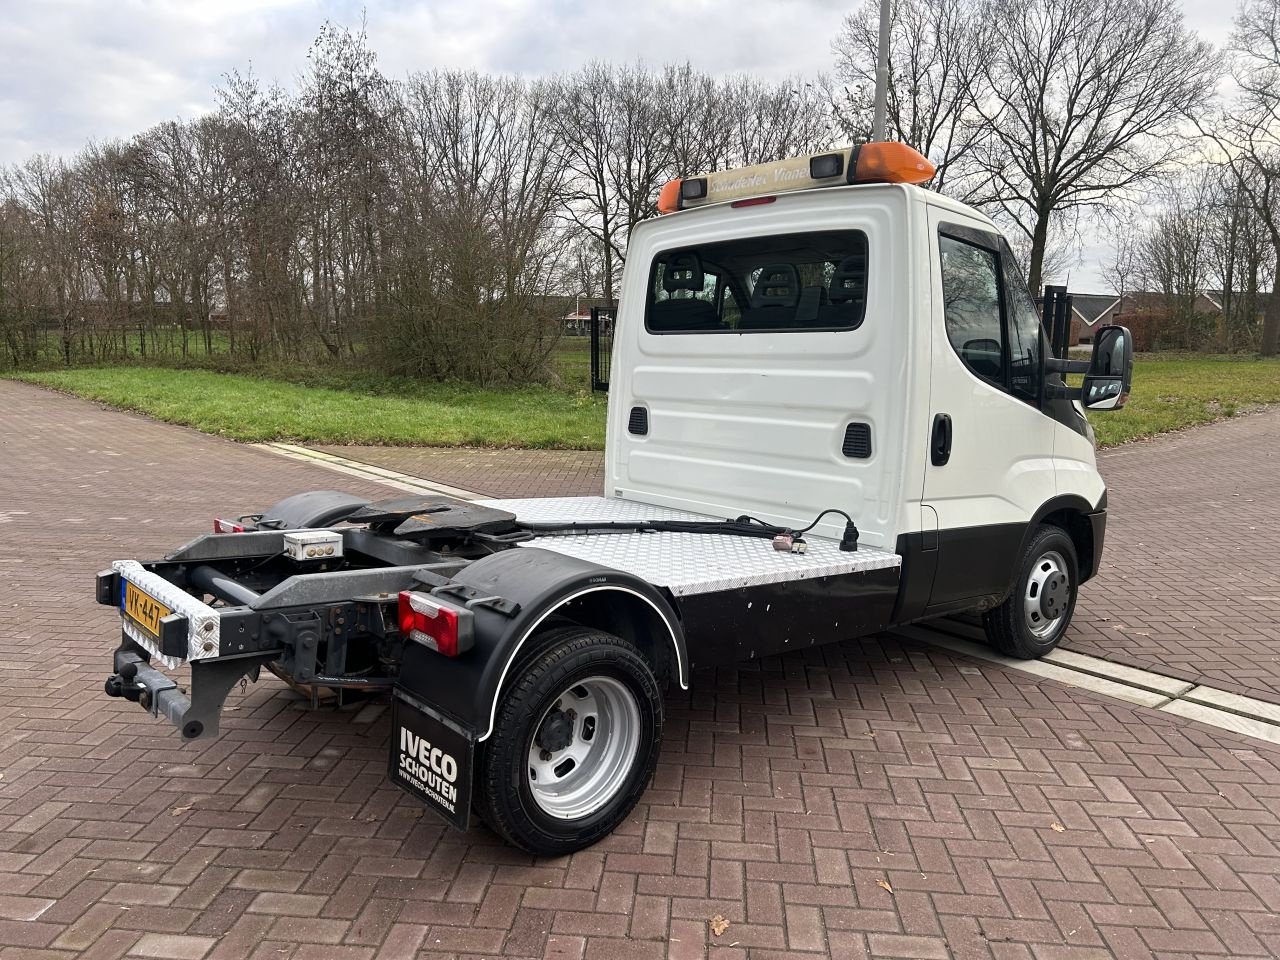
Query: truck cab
point(833, 411)
point(871, 346)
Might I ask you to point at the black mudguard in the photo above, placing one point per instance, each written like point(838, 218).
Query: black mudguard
point(464, 689)
point(442, 706)
point(315, 508)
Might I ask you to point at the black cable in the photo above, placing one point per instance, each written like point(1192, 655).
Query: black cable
point(722, 527)
point(743, 526)
point(818, 520)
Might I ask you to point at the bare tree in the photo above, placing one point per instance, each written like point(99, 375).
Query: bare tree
point(1172, 256)
point(470, 240)
point(939, 56)
point(1248, 132)
point(1242, 260)
point(1123, 269)
point(1086, 100)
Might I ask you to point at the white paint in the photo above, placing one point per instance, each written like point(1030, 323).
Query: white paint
point(1224, 720)
point(1144, 679)
point(365, 471)
point(1001, 467)
point(1234, 703)
point(753, 422)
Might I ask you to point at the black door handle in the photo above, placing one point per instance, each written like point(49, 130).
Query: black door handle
point(940, 446)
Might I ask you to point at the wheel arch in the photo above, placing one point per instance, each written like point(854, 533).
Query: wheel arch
point(1071, 514)
point(556, 590)
point(631, 616)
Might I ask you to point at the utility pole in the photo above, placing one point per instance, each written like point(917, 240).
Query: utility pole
point(882, 74)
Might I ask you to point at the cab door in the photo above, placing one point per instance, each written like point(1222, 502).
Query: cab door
point(990, 461)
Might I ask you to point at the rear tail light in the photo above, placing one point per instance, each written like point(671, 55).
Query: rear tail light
point(227, 526)
point(440, 626)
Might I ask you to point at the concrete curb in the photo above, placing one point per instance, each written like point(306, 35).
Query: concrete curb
point(1217, 708)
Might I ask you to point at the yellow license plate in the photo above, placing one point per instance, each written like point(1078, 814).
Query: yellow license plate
point(144, 610)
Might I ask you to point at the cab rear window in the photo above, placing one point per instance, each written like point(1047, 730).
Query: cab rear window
point(783, 283)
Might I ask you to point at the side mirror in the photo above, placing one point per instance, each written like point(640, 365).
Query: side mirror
point(1110, 374)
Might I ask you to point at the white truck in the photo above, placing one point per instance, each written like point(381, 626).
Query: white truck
point(833, 410)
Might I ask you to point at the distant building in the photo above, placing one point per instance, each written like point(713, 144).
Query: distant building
point(1087, 311)
point(577, 322)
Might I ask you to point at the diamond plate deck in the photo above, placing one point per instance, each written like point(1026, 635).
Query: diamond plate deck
point(686, 563)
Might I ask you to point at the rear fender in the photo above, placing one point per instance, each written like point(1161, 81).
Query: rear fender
point(313, 509)
point(548, 587)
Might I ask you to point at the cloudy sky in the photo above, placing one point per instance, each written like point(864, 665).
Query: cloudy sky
point(79, 70)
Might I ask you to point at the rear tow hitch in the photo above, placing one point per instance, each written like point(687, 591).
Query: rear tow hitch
point(123, 684)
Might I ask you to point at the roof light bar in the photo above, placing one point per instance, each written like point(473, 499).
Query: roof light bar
point(866, 163)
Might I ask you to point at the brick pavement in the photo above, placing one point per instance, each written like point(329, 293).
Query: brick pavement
point(1190, 585)
point(1011, 819)
point(494, 473)
point(1190, 582)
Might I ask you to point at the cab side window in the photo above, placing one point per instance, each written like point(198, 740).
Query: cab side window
point(1025, 340)
point(991, 320)
point(972, 307)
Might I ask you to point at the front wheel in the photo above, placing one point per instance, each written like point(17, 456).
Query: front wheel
point(1037, 612)
point(574, 743)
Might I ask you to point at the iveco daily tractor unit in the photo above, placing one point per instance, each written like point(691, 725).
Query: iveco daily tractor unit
point(832, 410)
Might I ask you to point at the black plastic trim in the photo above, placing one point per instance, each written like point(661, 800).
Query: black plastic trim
point(857, 441)
point(638, 422)
point(174, 636)
point(919, 566)
point(1098, 523)
point(976, 564)
point(1062, 409)
point(940, 440)
point(108, 588)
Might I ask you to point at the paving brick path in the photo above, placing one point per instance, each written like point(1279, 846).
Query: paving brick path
point(495, 473)
point(1190, 584)
point(1010, 819)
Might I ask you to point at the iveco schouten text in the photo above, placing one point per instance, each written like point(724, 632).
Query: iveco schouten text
point(833, 410)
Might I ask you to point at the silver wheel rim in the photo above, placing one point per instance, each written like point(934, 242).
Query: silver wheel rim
point(601, 719)
point(1045, 600)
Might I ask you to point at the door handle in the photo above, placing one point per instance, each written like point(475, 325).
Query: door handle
point(940, 445)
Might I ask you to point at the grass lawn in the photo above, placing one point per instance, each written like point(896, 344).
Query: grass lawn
point(336, 409)
point(1169, 392)
point(1175, 391)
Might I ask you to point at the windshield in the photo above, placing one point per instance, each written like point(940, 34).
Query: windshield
point(783, 283)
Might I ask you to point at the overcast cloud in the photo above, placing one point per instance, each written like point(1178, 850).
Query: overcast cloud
point(78, 70)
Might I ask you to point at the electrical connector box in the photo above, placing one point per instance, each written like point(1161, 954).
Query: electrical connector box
point(304, 545)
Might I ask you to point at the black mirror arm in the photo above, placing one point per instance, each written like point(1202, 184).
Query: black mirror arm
point(1054, 365)
point(1053, 391)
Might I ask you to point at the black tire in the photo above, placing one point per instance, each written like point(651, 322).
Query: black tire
point(1012, 627)
point(569, 659)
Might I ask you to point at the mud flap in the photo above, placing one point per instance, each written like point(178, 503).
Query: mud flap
point(431, 759)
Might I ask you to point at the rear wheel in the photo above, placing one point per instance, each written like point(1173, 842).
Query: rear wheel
point(574, 743)
point(1036, 614)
